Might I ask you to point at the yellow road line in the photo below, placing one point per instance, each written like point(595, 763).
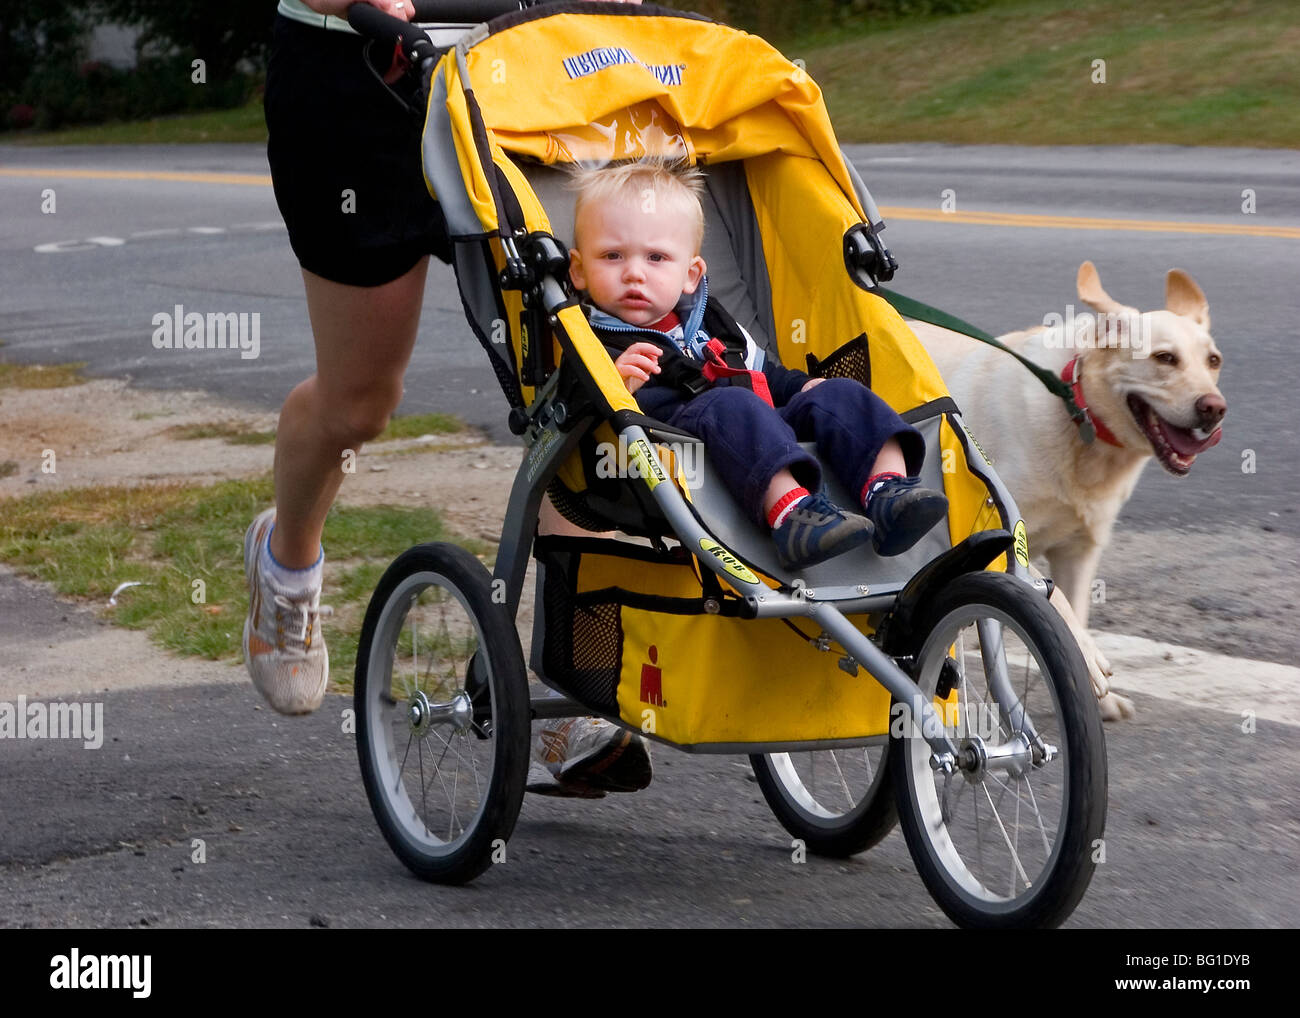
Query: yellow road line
point(929, 215)
point(1025, 219)
point(254, 179)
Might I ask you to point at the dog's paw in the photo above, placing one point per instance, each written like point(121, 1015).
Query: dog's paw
point(1116, 708)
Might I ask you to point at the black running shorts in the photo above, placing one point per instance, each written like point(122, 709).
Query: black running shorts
point(345, 161)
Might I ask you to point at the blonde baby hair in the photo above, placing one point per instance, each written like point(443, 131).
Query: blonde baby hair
point(652, 184)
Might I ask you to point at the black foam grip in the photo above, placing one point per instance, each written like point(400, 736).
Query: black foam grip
point(375, 24)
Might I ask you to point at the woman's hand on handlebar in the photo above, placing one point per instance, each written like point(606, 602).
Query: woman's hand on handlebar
point(339, 8)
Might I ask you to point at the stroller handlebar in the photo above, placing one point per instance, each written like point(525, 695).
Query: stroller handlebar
point(375, 24)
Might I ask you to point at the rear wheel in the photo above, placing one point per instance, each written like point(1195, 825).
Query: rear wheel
point(838, 802)
point(442, 714)
point(1011, 840)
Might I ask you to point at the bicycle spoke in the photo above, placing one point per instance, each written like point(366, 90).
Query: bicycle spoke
point(848, 795)
point(1020, 869)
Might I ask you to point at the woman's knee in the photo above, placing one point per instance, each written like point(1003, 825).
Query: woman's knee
point(360, 415)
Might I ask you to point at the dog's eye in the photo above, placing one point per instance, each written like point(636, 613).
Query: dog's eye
point(1215, 360)
point(1165, 357)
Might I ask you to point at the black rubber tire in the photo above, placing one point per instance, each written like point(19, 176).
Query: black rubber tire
point(460, 615)
point(823, 829)
point(1054, 685)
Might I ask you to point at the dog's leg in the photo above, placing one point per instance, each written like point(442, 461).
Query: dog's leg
point(1113, 706)
point(1073, 567)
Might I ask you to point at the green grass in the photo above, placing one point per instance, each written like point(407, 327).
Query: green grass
point(415, 425)
point(412, 426)
point(1195, 73)
point(41, 376)
point(87, 541)
point(242, 124)
point(234, 434)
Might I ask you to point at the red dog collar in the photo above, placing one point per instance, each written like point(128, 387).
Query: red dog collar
point(1070, 376)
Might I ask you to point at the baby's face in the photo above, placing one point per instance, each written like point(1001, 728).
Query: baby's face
point(635, 265)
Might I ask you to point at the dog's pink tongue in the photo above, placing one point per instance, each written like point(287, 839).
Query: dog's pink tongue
point(1184, 443)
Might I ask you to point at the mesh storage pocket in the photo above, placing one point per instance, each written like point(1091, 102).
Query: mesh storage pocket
point(583, 642)
point(585, 589)
point(852, 360)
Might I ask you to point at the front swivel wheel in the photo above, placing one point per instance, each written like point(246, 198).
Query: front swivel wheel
point(442, 713)
point(1005, 834)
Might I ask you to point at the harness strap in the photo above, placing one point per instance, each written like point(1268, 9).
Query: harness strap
point(715, 367)
point(910, 308)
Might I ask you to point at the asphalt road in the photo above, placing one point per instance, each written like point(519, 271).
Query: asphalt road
point(1203, 824)
point(1202, 832)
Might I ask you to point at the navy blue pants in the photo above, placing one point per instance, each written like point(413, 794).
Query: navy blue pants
point(748, 442)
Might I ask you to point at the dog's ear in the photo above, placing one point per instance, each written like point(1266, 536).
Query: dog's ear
point(1184, 297)
point(1091, 293)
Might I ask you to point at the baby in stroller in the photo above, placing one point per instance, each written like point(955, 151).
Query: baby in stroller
point(637, 234)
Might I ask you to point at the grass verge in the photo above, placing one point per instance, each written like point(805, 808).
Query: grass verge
point(233, 433)
point(41, 376)
point(415, 425)
point(184, 544)
point(1193, 72)
point(242, 124)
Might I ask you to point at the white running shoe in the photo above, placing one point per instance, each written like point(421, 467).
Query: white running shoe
point(587, 757)
point(283, 647)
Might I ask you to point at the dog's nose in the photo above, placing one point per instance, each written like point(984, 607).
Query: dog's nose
point(1210, 408)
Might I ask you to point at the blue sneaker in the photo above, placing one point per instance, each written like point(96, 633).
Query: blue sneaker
point(903, 513)
point(817, 529)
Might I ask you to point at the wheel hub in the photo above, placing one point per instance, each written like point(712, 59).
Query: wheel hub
point(422, 714)
point(977, 757)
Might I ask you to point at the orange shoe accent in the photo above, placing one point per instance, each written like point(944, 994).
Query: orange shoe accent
point(256, 645)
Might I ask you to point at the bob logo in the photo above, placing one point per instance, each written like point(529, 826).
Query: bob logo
point(583, 64)
point(647, 464)
point(729, 561)
point(1022, 543)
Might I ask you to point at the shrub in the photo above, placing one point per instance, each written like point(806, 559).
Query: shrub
point(68, 92)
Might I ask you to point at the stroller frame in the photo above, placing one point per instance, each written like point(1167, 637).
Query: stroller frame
point(916, 652)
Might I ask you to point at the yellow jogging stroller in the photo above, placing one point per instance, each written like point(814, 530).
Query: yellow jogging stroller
point(937, 689)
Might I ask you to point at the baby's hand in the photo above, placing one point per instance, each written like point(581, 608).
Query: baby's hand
point(810, 383)
point(637, 363)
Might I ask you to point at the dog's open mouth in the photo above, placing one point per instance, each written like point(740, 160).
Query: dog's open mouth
point(1176, 448)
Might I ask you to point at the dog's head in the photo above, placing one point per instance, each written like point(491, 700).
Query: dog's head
point(1153, 377)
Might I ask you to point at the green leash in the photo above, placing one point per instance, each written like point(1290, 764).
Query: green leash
point(909, 308)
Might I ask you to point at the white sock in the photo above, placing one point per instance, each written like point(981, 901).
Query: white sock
point(291, 582)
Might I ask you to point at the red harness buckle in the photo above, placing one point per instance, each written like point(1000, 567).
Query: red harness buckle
point(715, 367)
